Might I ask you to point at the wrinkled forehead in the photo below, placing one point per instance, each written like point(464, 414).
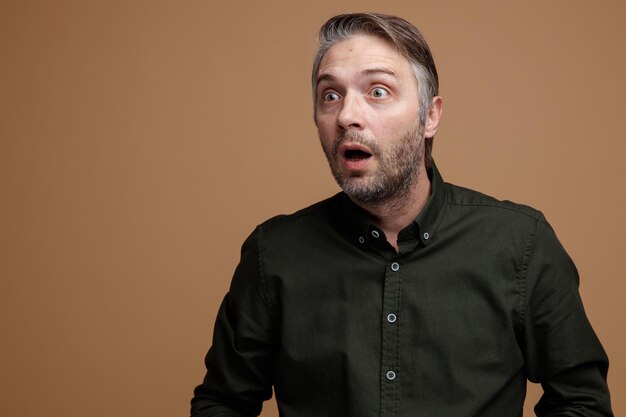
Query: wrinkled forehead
point(358, 53)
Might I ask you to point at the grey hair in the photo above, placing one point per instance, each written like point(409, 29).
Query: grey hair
point(401, 34)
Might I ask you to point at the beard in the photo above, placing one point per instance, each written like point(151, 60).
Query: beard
point(397, 172)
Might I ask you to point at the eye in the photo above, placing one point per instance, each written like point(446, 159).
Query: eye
point(379, 92)
point(331, 96)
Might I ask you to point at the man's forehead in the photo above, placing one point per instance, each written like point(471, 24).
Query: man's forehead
point(366, 55)
point(361, 45)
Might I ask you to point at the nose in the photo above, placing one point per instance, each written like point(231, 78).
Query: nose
point(351, 113)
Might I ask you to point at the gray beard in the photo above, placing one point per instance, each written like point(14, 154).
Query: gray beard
point(398, 168)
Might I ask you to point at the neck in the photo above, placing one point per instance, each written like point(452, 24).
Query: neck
point(394, 214)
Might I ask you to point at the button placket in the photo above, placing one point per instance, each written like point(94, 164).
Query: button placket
point(392, 293)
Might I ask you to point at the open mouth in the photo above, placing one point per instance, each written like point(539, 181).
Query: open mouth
point(356, 155)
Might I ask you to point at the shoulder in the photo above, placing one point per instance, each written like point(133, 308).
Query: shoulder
point(462, 197)
point(301, 225)
point(504, 223)
point(501, 217)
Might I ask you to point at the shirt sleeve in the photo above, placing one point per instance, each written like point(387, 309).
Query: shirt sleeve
point(562, 351)
point(239, 362)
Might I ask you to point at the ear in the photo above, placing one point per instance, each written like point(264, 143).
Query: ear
point(433, 117)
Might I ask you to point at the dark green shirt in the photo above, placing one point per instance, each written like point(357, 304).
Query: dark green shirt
point(480, 298)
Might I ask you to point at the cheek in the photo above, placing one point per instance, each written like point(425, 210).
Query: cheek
point(325, 138)
point(398, 122)
point(386, 128)
point(325, 129)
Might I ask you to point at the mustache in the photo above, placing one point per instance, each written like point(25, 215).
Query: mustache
point(356, 137)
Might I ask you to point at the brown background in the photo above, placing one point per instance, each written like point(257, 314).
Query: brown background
point(142, 141)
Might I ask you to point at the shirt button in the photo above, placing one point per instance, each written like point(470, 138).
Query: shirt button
point(375, 234)
point(391, 375)
point(395, 266)
point(391, 318)
point(426, 236)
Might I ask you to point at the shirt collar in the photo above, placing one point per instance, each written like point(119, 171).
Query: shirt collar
point(429, 218)
point(356, 223)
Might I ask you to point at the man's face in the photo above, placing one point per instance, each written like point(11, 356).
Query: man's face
point(367, 118)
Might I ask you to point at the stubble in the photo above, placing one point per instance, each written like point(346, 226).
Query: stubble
point(398, 167)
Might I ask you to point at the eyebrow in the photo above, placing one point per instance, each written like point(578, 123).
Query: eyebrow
point(324, 77)
point(370, 72)
point(376, 71)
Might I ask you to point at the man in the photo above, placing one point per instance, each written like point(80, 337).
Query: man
point(403, 295)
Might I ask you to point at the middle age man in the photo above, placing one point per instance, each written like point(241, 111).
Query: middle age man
point(403, 295)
